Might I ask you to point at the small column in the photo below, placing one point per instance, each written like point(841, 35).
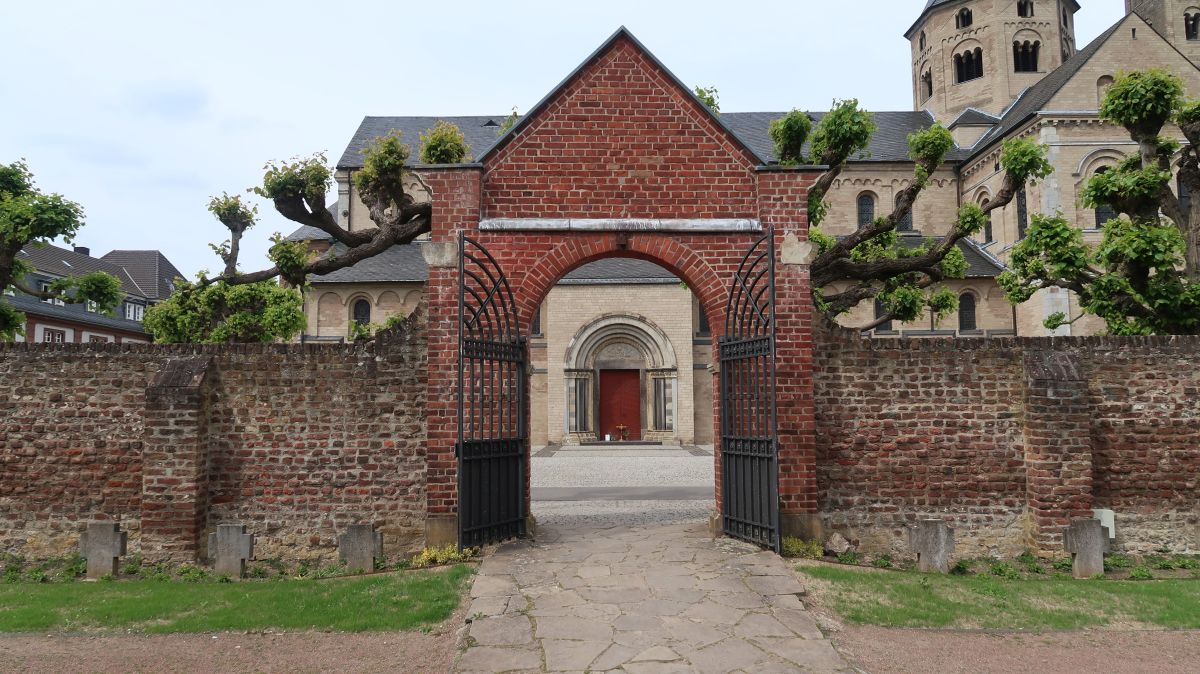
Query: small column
point(102, 545)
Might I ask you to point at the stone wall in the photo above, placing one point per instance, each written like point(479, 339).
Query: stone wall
point(1008, 439)
point(296, 441)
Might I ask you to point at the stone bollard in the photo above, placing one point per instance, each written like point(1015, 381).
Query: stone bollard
point(1087, 541)
point(229, 548)
point(102, 545)
point(933, 541)
point(359, 546)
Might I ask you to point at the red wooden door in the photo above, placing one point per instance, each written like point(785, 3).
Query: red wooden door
point(620, 404)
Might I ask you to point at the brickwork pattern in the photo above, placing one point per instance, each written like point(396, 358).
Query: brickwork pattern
point(295, 441)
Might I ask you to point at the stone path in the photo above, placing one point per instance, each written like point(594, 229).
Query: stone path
point(660, 598)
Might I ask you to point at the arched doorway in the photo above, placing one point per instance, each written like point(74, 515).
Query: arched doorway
point(621, 382)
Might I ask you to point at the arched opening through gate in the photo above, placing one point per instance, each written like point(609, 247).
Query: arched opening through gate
point(494, 367)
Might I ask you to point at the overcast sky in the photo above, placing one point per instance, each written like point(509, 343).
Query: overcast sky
point(141, 111)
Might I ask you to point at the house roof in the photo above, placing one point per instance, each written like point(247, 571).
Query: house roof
point(1035, 99)
point(481, 132)
point(31, 305)
point(398, 264)
point(980, 263)
point(149, 269)
point(60, 262)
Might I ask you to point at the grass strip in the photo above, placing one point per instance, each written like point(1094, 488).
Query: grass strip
point(383, 602)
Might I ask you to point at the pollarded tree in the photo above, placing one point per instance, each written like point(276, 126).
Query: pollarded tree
point(873, 263)
point(31, 217)
point(1144, 277)
point(217, 308)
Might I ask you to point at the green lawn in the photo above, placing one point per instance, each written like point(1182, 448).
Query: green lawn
point(357, 604)
point(907, 599)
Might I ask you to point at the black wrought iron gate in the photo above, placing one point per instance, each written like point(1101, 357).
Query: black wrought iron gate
point(749, 447)
point(491, 402)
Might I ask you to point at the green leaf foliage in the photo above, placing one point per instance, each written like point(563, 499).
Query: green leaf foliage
point(254, 312)
point(444, 144)
point(931, 145)
point(845, 131)
point(308, 178)
point(290, 257)
point(509, 122)
point(1143, 101)
point(710, 97)
point(383, 168)
point(789, 133)
point(231, 210)
point(1025, 160)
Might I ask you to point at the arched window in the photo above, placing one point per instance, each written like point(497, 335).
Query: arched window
point(1191, 25)
point(987, 225)
point(1025, 9)
point(906, 223)
point(1102, 86)
point(968, 65)
point(880, 310)
point(922, 41)
point(866, 209)
point(966, 313)
point(1104, 212)
point(963, 19)
point(1022, 213)
point(926, 85)
point(362, 312)
point(1025, 56)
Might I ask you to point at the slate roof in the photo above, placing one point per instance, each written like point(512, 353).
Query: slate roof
point(619, 270)
point(398, 264)
point(980, 263)
point(1035, 99)
point(974, 117)
point(150, 270)
point(60, 262)
point(480, 136)
point(889, 144)
point(31, 305)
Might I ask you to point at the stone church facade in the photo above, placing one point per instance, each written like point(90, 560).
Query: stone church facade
point(621, 349)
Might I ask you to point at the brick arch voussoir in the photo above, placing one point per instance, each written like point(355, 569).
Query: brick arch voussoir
point(672, 255)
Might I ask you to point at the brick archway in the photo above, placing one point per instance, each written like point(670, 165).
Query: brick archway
point(621, 160)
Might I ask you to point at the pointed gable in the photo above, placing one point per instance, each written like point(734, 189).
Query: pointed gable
point(621, 137)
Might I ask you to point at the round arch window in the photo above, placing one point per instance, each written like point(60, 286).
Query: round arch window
point(362, 312)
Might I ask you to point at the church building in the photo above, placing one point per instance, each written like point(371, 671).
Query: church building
point(620, 349)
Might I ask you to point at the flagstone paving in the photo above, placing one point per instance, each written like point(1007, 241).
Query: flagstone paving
point(641, 600)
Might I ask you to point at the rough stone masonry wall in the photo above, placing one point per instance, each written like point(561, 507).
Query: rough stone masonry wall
point(1008, 439)
point(295, 441)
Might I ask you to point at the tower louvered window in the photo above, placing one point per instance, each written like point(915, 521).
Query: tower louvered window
point(1025, 56)
point(926, 85)
point(1022, 213)
point(1104, 212)
point(1191, 26)
point(968, 65)
point(964, 19)
point(1025, 9)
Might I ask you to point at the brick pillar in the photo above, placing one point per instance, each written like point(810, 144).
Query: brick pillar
point(1058, 449)
point(783, 197)
point(175, 461)
point(456, 194)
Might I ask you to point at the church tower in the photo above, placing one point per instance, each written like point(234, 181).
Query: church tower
point(1178, 21)
point(983, 53)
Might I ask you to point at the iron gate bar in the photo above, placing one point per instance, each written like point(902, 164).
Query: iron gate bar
point(749, 444)
point(492, 428)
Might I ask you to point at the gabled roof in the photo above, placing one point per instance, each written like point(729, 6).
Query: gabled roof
point(974, 117)
point(149, 269)
point(60, 262)
point(621, 33)
point(1034, 99)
